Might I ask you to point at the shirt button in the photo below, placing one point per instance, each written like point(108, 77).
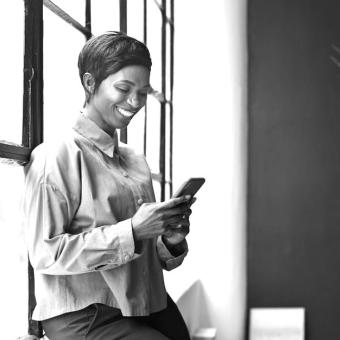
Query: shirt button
point(140, 201)
point(125, 174)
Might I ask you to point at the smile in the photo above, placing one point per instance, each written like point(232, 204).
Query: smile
point(125, 113)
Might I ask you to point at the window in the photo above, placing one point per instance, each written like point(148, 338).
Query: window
point(45, 81)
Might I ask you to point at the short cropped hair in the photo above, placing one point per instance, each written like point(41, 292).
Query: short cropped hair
point(106, 54)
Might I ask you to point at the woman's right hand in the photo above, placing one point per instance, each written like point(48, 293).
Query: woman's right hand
point(152, 219)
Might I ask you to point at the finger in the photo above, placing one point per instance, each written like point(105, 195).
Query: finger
point(185, 219)
point(173, 202)
point(185, 230)
point(179, 224)
point(175, 227)
point(176, 220)
point(192, 201)
point(179, 210)
point(185, 223)
point(179, 230)
point(187, 213)
point(168, 232)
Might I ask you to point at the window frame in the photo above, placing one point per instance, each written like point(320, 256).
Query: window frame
point(33, 106)
point(32, 87)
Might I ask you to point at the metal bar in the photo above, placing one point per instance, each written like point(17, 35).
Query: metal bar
point(123, 15)
point(88, 19)
point(123, 28)
point(16, 152)
point(145, 128)
point(37, 95)
point(172, 38)
point(145, 32)
point(171, 149)
point(66, 17)
point(158, 177)
point(162, 148)
point(34, 327)
point(161, 8)
point(33, 112)
point(28, 73)
point(145, 21)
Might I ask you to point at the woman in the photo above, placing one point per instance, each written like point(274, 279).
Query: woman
point(97, 240)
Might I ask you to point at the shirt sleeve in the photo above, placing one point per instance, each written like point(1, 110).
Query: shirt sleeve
point(54, 251)
point(169, 261)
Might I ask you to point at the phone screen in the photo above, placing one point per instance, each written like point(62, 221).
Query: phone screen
point(190, 187)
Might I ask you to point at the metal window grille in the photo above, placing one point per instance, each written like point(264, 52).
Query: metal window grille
point(32, 131)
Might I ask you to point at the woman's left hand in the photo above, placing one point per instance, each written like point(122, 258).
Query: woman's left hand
point(175, 234)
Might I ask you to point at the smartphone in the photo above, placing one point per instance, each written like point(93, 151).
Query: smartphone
point(189, 187)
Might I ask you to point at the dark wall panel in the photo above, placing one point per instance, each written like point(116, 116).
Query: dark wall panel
point(294, 160)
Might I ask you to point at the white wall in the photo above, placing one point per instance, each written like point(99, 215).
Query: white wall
point(210, 141)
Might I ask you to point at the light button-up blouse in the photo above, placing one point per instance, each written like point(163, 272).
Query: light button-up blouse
point(80, 196)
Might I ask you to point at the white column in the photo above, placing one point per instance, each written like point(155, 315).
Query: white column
point(210, 140)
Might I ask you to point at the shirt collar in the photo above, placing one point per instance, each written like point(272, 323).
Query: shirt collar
point(90, 130)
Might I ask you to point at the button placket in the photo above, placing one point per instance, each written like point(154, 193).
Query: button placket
point(134, 187)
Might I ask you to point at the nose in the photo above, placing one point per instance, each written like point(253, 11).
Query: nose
point(134, 100)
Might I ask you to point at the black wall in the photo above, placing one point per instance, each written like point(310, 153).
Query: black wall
point(294, 160)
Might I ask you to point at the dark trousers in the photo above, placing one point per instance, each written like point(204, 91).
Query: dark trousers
point(100, 322)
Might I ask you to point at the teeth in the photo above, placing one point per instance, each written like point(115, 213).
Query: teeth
point(125, 113)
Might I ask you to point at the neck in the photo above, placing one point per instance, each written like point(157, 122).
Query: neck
point(91, 113)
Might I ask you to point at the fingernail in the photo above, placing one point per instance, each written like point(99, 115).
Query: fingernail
point(187, 197)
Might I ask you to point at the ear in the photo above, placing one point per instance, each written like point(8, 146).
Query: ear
point(88, 82)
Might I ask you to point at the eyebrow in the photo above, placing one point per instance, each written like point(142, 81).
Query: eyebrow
point(133, 84)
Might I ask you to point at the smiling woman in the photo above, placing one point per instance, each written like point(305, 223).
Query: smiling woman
point(118, 98)
point(115, 77)
point(97, 240)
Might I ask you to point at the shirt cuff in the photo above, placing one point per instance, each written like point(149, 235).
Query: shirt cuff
point(126, 240)
point(122, 231)
point(168, 260)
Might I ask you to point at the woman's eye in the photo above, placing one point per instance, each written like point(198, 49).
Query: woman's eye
point(122, 89)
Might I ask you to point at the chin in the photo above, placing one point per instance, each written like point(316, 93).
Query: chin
point(124, 124)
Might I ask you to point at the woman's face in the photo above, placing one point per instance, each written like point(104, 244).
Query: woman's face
point(119, 97)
